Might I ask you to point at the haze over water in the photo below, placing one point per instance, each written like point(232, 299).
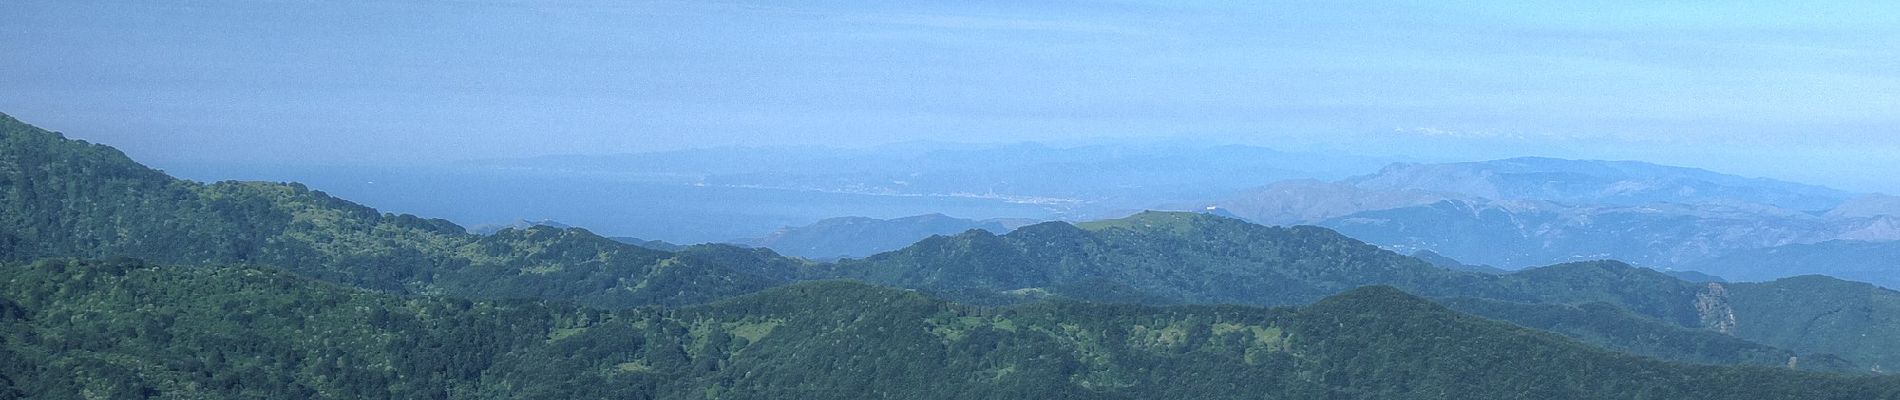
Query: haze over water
point(1804, 92)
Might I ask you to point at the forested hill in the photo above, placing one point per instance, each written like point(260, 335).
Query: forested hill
point(1192, 258)
point(1162, 257)
point(124, 329)
point(1177, 257)
point(68, 198)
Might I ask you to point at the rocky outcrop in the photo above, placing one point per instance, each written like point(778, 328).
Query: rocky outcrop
point(1871, 205)
point(1308, 201)
point(1712, 304)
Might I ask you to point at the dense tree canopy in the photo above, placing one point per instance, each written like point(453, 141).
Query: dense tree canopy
point(125, 329)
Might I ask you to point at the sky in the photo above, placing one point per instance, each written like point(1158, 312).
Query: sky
point(1805, 91)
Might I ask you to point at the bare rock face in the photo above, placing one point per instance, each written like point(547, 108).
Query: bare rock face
point(1310, 201)
point(1872, 205)
point(1712, 304)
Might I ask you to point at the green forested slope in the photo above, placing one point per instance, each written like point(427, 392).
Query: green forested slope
point(1173, 258)
point(1612, 327)
point(1818, 314)
point(1203, 258)
point(1177, 257)
point(67, 198)
point(123, 329)
point(1466, 357)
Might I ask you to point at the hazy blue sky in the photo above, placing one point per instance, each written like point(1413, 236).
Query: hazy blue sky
point(1786, 89)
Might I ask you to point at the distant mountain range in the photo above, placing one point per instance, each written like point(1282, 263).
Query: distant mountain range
point(1516, 234)
point(1569, 182)
point(1626, 183)
point(1867, 206)
point(1306, 201)
point(1525, 212)
point(1510, 214)
point(1873, 262)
